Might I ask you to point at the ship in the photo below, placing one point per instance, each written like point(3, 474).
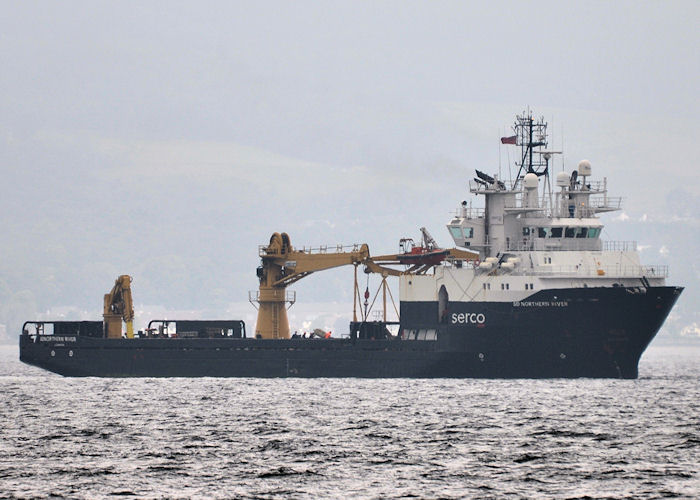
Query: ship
point(530, 291)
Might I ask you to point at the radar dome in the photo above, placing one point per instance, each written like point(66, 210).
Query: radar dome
point(530, 181)
point(562, 179)
point(584, 167)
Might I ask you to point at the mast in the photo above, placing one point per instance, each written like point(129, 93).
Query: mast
point(530, 134)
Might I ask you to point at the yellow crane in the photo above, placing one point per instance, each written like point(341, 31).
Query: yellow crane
point(283, 265)
point(119, 306)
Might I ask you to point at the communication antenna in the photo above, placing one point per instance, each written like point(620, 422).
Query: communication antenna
point(510, 171)
point(562, 147)
point(499, 158)
point(547, 155)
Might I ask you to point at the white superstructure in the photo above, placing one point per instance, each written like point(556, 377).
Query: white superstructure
point(533, 236)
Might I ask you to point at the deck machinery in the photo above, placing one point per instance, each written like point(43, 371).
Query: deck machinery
point(282, 264)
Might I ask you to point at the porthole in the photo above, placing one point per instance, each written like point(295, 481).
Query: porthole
point(53, 353)
point(70, 353)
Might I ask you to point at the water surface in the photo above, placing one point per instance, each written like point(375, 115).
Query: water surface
point(338, 438)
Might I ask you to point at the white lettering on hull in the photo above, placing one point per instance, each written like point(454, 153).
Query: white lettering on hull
point(542, 303)
point(468, 318)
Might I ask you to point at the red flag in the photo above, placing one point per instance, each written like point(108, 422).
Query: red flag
point(509, 140)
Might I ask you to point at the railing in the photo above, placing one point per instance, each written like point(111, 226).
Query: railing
point(469, 213)
point(595, 206)
point(610, 202)
point(615, 271)
point(263, 249)
point(619, 246)
point(289, 296)
point(571, 245)
point(555, 245)
point(62, 329)
point(477, 187)
point(518, 204)
point(595, 187)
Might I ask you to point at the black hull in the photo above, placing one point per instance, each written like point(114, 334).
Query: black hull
point(578, 332)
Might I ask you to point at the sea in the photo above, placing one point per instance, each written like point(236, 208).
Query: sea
point(352, 438)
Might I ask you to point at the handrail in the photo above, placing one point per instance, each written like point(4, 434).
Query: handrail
point(619, 246)
point(264, 250)
point(616, 271)
point(63, 328)
point(606, 202)
point(289, 296)
point(571, 245)
point(469, 213)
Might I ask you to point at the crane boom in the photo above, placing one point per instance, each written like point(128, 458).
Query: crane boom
point(283, 265)
point(118, 307)
point(428, 241)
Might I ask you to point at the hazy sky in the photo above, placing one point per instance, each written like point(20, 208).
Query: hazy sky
point(142, 135)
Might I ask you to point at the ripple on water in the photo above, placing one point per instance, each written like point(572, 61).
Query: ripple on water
point(223, 438)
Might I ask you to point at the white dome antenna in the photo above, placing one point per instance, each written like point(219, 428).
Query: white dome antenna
point(584, 168)
point(530, 181)
point(563, 179)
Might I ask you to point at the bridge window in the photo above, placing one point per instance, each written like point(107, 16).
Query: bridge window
point(544, 232)
point(582, 232)
point(556, 232)
point(593, 232)
point(570, 232)
point(462, 232)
